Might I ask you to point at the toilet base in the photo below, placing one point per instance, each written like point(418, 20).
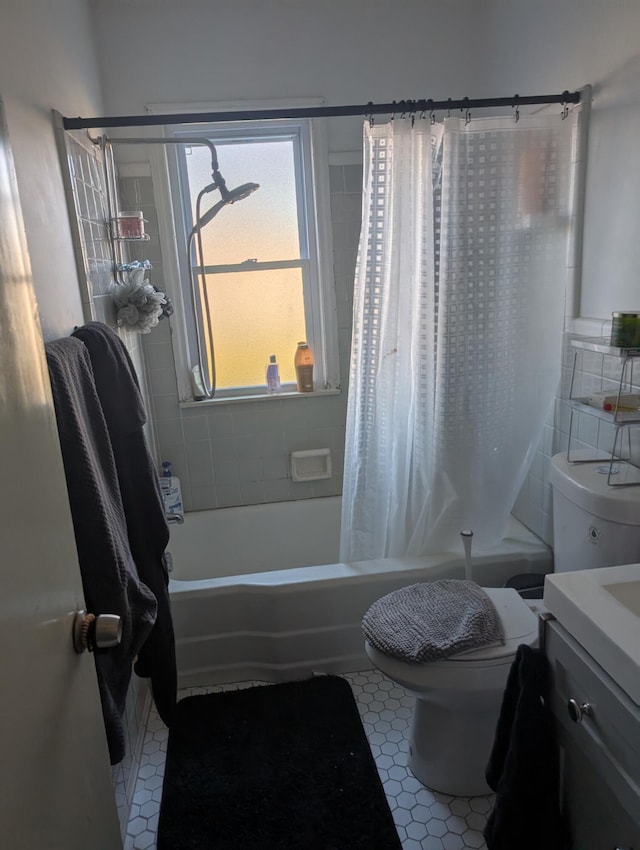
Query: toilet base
point(453, 758)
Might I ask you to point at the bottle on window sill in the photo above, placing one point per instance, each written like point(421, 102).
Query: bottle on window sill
point(303, 362)
point(273, 375)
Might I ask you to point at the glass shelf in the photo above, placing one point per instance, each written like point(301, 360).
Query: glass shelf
point(623, 418)
point(621, 469)
point(600, 344)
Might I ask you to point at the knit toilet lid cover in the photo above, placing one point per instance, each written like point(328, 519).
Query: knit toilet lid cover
point(432, 620)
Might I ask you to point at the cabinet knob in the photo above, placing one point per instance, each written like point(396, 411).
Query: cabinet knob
point(91, 632)
point(578, 710)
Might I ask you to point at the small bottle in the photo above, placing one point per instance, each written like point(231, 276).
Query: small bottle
point(273, 375)
point(303, 362)
point(171, 490)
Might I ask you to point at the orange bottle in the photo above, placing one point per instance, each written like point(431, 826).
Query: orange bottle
point(303, 361)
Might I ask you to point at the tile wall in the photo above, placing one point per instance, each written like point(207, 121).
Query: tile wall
point(593, 372)
point(238, 453)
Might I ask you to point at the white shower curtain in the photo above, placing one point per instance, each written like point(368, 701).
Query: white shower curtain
point(457, 329)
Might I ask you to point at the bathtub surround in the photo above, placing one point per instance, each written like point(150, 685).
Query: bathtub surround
point(273, 766)
point(239, 454)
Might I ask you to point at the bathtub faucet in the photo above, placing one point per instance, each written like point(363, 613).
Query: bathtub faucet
point(179, 518)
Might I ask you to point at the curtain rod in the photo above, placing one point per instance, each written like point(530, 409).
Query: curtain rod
point(369, 109)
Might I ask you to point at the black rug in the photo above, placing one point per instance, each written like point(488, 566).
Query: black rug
point(276, 767)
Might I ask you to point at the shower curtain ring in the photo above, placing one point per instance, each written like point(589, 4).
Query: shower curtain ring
point(432, 117)
point(370, 113)
point(565, 105)
point(449, 109)
point(516, 109)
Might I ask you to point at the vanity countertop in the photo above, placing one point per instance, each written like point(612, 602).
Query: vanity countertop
point(600, 608)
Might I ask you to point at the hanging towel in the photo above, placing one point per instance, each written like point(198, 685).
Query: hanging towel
point(523, 766)
point(119, 394)
point(431, 620)
point(109, 577)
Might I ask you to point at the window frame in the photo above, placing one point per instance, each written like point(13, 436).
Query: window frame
point(316, 257)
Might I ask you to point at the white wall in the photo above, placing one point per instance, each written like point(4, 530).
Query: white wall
point(552, 45)
point(380, 50)
point(47, 61)
point(347, 51)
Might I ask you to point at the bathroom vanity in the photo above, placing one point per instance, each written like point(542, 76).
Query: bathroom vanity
point(593, 646)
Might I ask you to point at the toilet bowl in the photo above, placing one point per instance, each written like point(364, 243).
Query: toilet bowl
point(457, 701)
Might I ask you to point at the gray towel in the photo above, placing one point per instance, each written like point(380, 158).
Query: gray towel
point(124, 413)
point(431, 620)
point(109, 576)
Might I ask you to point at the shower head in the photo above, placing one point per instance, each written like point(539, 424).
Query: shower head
point(228, 197)
point(239, 193)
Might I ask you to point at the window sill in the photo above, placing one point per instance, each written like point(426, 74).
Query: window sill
point(243, 399)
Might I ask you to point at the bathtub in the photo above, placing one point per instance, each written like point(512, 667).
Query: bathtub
point(257, 593)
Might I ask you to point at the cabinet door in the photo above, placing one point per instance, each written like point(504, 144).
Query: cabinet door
point(600, 754)
point(597, 821)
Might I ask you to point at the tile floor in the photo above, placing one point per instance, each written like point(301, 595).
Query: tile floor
point(425, 820)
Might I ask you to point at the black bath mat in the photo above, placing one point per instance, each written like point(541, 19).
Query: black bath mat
point(276, 767)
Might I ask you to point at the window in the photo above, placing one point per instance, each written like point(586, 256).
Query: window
point(258, 275)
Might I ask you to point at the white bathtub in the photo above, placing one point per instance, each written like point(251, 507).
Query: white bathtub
point(257, 592)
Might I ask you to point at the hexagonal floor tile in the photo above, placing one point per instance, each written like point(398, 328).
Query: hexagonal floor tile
point(425, 819)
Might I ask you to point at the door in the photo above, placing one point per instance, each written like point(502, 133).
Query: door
point(55, 781)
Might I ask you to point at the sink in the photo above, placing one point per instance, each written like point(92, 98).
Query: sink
point(600, 608)
point(627, 593)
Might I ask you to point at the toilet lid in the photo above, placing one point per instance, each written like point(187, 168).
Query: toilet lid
point(520, 626)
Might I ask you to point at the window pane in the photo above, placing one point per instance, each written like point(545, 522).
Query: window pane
point(255, 314)
point(263, 226)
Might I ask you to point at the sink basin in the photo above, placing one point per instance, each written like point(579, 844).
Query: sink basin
point(600, 608)
point(627, 593)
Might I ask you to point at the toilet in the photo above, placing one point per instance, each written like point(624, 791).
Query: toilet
point(458, 699)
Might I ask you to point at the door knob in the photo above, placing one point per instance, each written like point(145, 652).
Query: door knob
point(578, 710)
point(91, 632)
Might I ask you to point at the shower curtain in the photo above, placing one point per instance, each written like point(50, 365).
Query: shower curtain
point(457, 329)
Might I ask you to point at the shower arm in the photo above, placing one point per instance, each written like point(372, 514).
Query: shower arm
point(178, 140)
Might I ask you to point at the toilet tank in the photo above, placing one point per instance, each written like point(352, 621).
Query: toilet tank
point(594, 524)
